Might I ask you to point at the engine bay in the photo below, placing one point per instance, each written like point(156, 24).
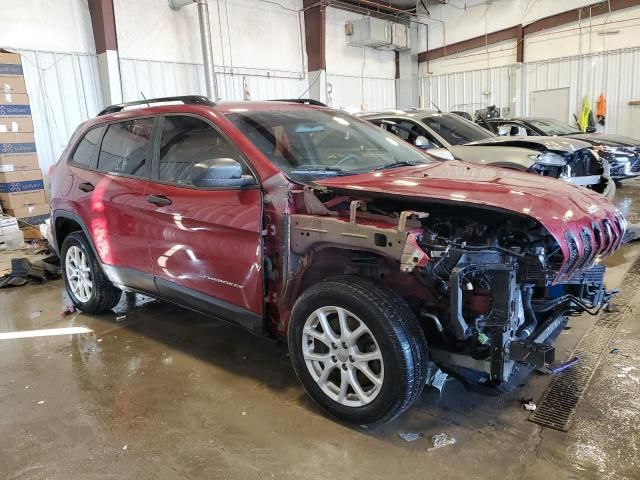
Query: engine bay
point(484, 286)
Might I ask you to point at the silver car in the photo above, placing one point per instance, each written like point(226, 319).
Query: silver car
point(449, 136)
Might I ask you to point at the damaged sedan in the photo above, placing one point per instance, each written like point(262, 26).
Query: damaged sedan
point(369, 256)
point(622, 153)
point(448, 135)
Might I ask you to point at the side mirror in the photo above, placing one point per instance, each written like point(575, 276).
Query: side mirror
point(219, 172)
point(422, 142)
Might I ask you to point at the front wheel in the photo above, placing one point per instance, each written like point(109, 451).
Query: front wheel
point(90, 290)
point(358, 350)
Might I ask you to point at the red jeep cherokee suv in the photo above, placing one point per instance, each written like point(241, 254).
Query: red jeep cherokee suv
point(295, 220)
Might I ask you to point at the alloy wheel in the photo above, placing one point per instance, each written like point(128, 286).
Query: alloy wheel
point(78, 273)
point(342, 356)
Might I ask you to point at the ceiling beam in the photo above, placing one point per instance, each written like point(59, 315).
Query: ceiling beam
point(378, 5)
point(103, 23)
point(519, 43)
point(470, 44)
point(314, 33)
point(518, 32)
point(577, 14)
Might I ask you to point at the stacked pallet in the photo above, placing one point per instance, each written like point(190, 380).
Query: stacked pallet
point(21, 184)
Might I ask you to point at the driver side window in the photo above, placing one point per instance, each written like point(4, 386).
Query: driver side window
point(188, 141)
point(512, 130)
point(408, 131)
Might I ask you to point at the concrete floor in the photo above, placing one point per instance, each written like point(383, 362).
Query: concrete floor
point(168, 394)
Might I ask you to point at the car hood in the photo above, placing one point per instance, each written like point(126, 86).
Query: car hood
point(488, 154)
point(557, 144)
point(606, 140)
point(558, 206)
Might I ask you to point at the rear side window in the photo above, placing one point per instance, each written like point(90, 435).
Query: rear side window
point(187, 141)
point(125, 147)
point(84, 151)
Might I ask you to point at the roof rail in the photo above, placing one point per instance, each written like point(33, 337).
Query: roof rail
point(186, 99)
point(305, 101)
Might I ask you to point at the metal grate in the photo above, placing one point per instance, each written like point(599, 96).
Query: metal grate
point(560, 401)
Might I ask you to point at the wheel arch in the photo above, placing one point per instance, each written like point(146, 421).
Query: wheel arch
point(333, 260)
point(65, 222)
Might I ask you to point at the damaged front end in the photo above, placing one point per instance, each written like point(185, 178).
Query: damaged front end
point(583, 167)
point(491, 288)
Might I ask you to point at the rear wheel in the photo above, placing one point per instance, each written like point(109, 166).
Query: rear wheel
point(358, 350)
point(88, 287)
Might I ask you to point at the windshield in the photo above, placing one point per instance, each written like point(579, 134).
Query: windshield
point(454, 129)
point(313, 143)
point(553, 127)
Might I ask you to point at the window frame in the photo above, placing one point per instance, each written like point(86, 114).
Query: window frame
point(155, 165)
point(149, 154)
point(430, 135)
point(96, 147)
point(513, 123)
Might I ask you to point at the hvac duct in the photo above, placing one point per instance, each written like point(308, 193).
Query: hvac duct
point(205, 38)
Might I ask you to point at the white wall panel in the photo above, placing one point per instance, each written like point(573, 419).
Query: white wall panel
point(481, 16)
point(55, 25)
point(245, 33)
point(150, 78)
point(361, 78)
point(345, 59)
point(469, 91)
point(361, 94)
point(64, 91)
point(615, 74)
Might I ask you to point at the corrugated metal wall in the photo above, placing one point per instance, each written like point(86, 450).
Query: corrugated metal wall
point(468, 91)
point(160, 79)
point(616, 74)
point(64, 91)
point(157, 79)
point(362, 93)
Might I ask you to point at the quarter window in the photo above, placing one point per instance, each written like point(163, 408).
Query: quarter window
point(125, 147)
point(84, 151)
point(187, 141)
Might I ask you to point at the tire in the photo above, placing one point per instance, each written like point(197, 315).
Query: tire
point(101, 295)
point(394, 344)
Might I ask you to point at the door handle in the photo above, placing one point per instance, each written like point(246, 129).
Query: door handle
point(159, 200)
point(86, 187)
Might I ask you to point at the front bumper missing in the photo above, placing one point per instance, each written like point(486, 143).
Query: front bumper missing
point(585, 181)
point(602, 184)
point(533, 352)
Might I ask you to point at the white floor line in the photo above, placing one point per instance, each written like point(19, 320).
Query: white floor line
point(48, 332)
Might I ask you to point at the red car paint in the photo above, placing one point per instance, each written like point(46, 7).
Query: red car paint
point(559, 206)
point(213, 242)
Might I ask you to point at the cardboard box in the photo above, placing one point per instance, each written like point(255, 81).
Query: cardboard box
point(16, 124)
point(17, 151)
point(31, 212)
point(15, 113)
point(11, 201)
point(8, 224)
point(11, 73)
point(26, 162)
point(17, 102)
point(21, 188)
point(20, 181)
